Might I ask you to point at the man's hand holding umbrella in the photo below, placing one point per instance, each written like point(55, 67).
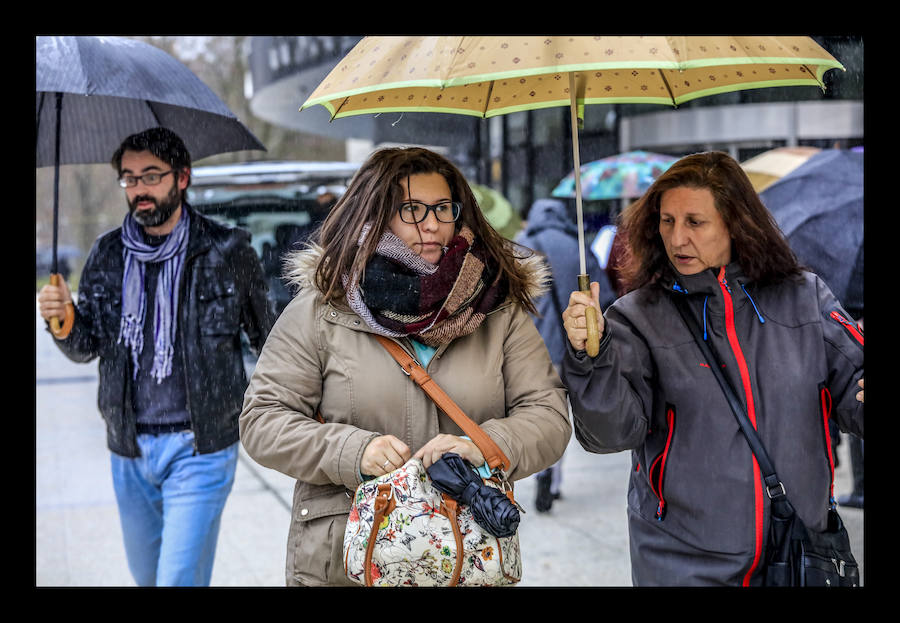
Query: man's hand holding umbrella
point(54, 300)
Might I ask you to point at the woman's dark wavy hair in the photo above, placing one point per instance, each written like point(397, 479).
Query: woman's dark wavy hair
point(757, 242)
point(373, 196)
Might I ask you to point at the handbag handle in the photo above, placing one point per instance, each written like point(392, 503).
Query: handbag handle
point(773, 484)
point(492, 453)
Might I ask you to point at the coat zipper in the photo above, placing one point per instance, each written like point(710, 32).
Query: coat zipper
point(851, 328)
point(656, 482)
point(731, 331)
point(825, 397)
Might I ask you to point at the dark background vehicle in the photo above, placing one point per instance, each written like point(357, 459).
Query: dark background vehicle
point(279, 202)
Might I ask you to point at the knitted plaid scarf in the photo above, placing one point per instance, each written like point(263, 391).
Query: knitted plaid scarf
point(402, 294)
point(137, 253)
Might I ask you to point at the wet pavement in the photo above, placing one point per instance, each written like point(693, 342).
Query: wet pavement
point(581, 542)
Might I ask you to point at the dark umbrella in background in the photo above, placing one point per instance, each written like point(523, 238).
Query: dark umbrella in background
point(93, 92)
point(819, 207)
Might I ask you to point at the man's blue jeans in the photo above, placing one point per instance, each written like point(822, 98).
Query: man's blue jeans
point(170, 505)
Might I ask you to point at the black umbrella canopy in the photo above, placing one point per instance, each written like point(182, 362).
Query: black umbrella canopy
point(113, 87)
point(93, 92)
point(819, 208)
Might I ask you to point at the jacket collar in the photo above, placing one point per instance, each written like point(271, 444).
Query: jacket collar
point(704, 282)
point(300, 267)
point(198, 242)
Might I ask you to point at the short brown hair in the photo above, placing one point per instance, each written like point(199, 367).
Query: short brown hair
point(757, 242)
point(373, 196)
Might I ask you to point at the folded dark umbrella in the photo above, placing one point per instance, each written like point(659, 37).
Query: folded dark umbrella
point(492, 509)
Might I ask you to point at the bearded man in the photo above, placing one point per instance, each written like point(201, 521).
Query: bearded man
point(162, 301)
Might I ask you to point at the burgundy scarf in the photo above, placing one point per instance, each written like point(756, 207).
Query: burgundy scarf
point(403, 295)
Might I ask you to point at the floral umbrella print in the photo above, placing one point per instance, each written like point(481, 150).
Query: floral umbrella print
point(622, 176)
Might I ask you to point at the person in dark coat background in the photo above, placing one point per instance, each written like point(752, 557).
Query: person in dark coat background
point(551, 230)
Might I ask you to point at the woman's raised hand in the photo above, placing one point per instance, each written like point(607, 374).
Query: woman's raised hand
point(574, 319)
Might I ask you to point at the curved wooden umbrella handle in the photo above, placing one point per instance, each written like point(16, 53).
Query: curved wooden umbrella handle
point(592, 347)
point(61, 330)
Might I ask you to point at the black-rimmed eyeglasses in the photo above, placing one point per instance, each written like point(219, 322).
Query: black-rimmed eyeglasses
point(149, 179)
point(415, 212)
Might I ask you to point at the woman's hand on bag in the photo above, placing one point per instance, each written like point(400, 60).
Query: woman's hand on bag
point(440, 445)
point(859, 394)
point(384, 454)
point(574, 320)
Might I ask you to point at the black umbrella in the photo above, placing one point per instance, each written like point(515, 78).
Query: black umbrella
point(491, 508)
point(819, 207)
point(92, 92)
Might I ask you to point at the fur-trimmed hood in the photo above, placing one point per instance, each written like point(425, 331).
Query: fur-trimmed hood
point(299, 269)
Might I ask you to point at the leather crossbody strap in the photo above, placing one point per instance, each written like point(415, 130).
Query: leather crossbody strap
point(493, 455)
point(773, 484)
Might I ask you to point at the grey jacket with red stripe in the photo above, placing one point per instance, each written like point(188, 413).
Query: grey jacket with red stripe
point(698, 511)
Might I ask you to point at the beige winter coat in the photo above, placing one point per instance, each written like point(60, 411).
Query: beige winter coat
point(324, 358)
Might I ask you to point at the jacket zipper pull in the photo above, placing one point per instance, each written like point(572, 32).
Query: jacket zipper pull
point(752, 302)
point(723, 280)
point(660, 510)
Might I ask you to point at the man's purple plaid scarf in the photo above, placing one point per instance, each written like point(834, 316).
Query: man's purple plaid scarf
point(402, 294)
point(136, 254)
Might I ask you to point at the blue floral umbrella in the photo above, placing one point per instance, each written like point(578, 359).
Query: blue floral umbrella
point(621, 176)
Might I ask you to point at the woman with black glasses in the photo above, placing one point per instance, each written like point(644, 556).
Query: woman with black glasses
point(407, 254)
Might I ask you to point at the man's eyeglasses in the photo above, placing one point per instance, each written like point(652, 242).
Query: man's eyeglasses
point(150, 179)
point(415, 212)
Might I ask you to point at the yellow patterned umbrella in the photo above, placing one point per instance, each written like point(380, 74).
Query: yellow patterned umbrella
point(496, 75)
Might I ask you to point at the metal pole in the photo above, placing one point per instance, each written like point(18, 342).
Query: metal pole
point(53, 264)
point(592, 345)
point(576, 157)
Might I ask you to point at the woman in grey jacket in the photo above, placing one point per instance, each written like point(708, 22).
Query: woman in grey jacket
point(406, 254)
point(697, 508)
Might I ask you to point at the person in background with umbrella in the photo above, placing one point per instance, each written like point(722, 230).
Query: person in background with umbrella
point(161, 302)
point(406, 253)
point(551, 232)
point(697, 508)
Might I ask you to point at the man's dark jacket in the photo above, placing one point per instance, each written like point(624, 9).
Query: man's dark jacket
point(222, 291)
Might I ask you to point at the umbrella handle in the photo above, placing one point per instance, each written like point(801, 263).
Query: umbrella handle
point(590, 315)
point(61, 330)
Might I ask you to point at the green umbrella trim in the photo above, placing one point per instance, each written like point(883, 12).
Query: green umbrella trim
point(375, 111)
point(822, 67)
point(746, 87)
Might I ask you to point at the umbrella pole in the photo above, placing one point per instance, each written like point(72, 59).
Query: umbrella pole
point(584, 281)
point(59, 329)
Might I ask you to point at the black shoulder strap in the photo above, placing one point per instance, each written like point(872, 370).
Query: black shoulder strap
point(773, 484)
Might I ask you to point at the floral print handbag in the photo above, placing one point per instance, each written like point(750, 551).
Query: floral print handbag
point(402, 531)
